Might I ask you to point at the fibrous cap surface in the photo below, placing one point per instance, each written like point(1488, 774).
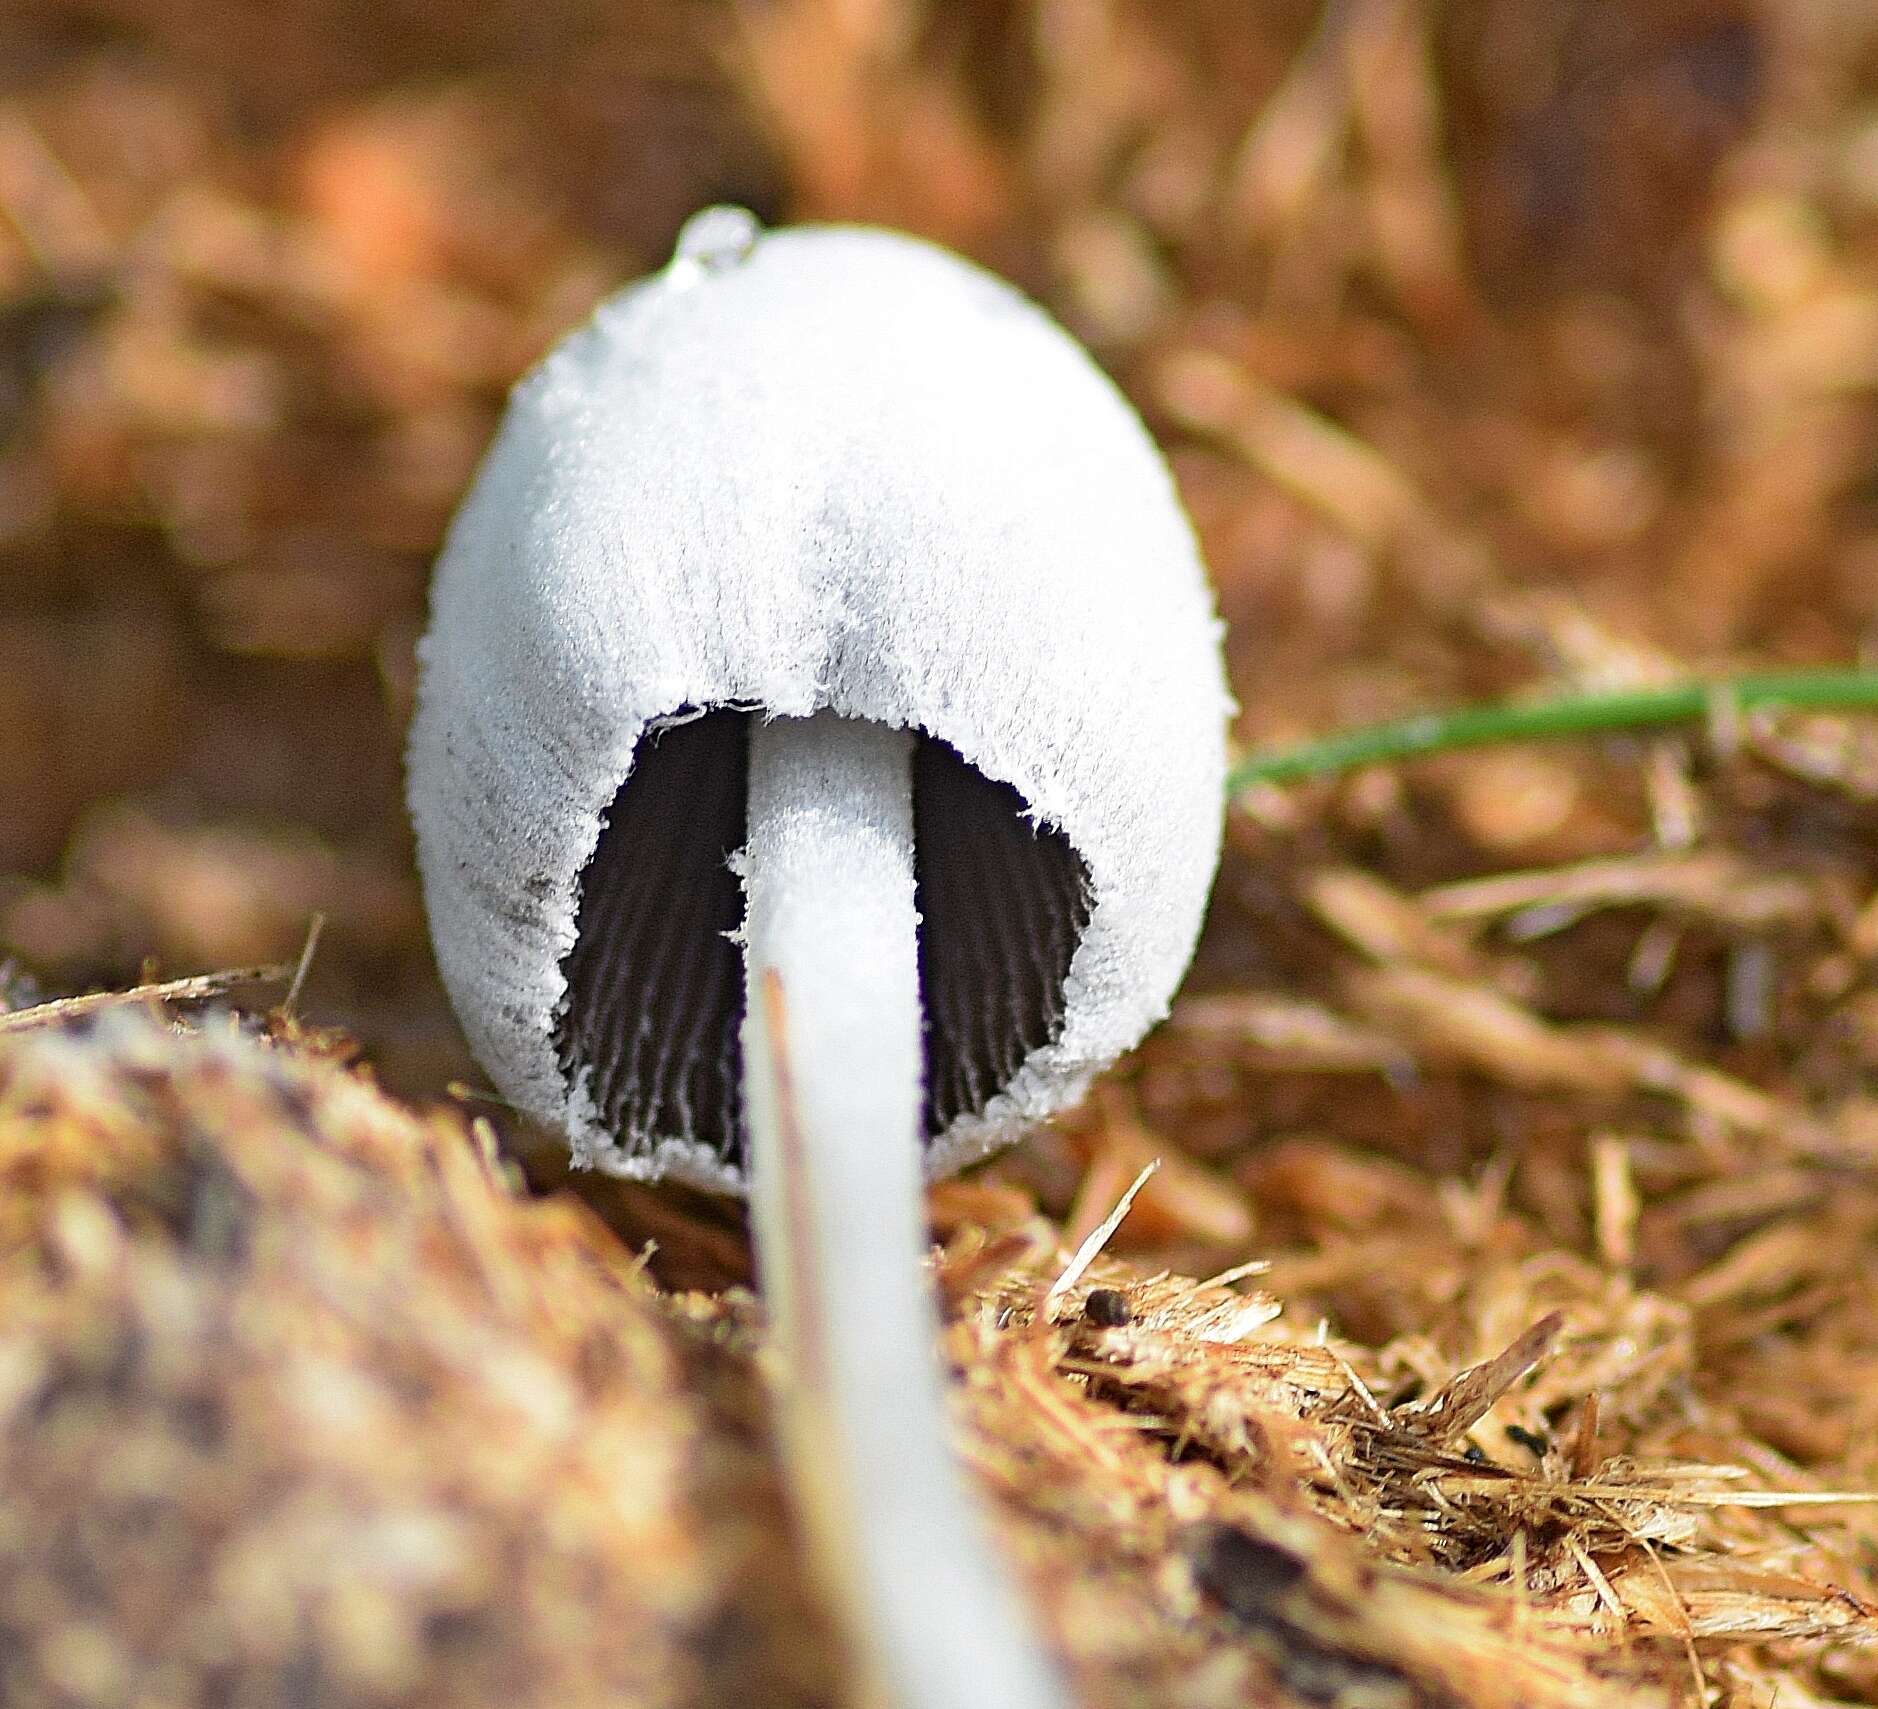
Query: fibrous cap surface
point(818, 467)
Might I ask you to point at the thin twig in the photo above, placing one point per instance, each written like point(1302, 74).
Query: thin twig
point(314, 928)
point(197, 988)
point(1238, 1273)
point(1091, 1249)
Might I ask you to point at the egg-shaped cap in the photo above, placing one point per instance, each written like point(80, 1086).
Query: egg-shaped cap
point(818, 467)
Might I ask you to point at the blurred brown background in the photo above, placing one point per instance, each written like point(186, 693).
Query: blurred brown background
point(1492, 341)
point(1499, 347)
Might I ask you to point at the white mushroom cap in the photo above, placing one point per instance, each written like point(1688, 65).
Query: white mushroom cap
point(814, 468)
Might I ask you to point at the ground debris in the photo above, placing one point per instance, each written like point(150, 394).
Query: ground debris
point(389, 1409)
point(1494, 1500)
point(297, 1395)
point(1499, 351)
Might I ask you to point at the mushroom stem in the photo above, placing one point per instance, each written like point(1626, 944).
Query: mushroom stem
point(832, 1070)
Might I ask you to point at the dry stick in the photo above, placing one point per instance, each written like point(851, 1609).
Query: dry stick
point(304, 966)
point(1575, 715)
point(197, 988)
point(832, 1066)
point(1099, 1236)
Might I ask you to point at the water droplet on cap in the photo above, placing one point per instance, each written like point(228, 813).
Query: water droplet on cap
point(712, 240)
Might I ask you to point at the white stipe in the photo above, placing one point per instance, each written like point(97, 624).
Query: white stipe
point(832, 1066)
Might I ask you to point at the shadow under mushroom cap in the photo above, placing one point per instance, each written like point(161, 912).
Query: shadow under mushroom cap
point(655, 980)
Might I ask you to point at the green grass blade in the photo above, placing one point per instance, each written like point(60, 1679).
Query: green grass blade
point(1572, 715)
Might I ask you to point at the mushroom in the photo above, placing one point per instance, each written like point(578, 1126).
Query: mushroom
point(817, 776)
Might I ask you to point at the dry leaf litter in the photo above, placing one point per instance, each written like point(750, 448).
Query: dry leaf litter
point(1500, 348)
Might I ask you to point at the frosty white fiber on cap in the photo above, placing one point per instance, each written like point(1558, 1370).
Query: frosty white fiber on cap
point(814, 468)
